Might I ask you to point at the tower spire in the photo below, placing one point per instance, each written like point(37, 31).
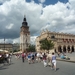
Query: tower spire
point(24, 23)
point(24, 18)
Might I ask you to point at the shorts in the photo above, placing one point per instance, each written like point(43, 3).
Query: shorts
point(54, 62)
point(29, 58)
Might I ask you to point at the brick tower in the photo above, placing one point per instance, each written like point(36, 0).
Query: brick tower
point(24, 35)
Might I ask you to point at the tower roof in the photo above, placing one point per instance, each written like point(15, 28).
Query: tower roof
point(24, 18)
point(24, 23)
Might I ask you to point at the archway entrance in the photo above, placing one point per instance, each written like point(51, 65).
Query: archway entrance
point(64, 48)
point(68, 48)
point(55, 51)
point(59, 49)
point(72, 48)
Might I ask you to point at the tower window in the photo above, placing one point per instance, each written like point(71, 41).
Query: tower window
point(26, 34)
point(26, 40)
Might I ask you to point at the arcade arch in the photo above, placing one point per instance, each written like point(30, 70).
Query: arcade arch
point(72, 48)
point(68, 48)
point(64, 48)
point(59, 49)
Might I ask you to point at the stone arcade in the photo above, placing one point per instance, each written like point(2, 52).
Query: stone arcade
point(63, 42)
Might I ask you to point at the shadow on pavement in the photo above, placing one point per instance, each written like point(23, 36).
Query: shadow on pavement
point(57, 69)
point(2, 68)
point(5, 66)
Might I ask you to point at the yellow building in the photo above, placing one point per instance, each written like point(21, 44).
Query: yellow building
point(63, 42)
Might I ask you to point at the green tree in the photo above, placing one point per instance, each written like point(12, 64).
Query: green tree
point(31, 48)
point(15, 50)
point(46, 44)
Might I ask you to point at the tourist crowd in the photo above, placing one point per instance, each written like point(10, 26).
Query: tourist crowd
point(48, 59)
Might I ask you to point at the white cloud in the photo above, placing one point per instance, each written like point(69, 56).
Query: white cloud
point(69, 29)
point(2, 1)
point(6, 40)
point(1, 40)
point(17, 40)
point(42, 1)
point(9, 26)
point(54, 17)
point(33, 39)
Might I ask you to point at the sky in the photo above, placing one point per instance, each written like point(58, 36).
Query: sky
point(53, 15)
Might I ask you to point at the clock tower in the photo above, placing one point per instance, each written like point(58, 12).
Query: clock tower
point(24, 35)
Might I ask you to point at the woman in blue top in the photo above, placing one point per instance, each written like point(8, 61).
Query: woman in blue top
point(29, 58)
point(53, 59)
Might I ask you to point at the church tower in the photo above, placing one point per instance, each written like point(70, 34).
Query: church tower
point(24, 35)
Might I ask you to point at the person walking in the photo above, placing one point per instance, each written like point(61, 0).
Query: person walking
point(29, 58)
point(53, 60)
point(44, 60)
point(49, 56)
point(32, 57)
point(23, 55)
point(9, 59)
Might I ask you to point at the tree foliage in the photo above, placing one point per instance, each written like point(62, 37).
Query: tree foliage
point(31, 48)
point(15, 50)
point(46, 44)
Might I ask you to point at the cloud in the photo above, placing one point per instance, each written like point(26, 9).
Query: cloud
point(58, 17)
point(17, 40)
point(2, 1)
point(9, 26)
point(6, 40)
point(33, 39)
point(42, 1)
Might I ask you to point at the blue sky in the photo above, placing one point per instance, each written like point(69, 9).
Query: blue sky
point(56, 15)
point(48, 2)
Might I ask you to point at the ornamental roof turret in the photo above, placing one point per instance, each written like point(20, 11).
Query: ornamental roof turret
point(24, 23)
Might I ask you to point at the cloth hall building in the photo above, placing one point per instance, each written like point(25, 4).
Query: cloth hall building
point(63, 42)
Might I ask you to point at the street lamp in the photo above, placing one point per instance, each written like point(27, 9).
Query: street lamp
point(4, 43)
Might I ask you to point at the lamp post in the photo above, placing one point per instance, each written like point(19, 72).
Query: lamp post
point(4, 43)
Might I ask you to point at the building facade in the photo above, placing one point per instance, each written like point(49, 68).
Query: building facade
point(6, 46)
point(63, 42)
point(24, 35)
point(16, 47)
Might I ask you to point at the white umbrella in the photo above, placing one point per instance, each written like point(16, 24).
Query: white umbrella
point(6, 51)
point(1, 50)
point(20, 52)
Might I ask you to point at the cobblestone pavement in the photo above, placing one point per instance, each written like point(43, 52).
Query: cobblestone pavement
point(19, 68)
point(70, 55)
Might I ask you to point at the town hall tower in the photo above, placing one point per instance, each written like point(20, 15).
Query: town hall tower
point(24, 36)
